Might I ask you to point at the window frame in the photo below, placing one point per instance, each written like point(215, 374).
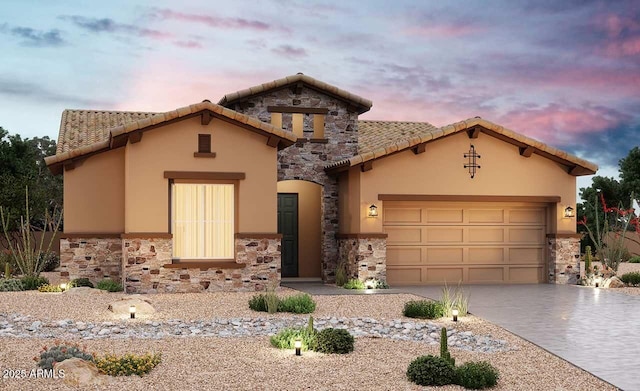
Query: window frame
point(236, 186)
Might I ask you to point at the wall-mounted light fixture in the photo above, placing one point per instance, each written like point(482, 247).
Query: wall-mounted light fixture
point(455, 315)
point(298, 345)
point(132, 311)
point(373, 211)
point(569, 212)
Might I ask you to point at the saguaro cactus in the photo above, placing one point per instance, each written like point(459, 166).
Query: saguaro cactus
point(444, 349)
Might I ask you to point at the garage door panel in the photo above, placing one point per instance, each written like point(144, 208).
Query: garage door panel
point(402, 215)
point(444, 274)
point(404, 235)
point(444, 216)
point(405, 276)
point(444, 255)
point(444, 235)
point(486, 215)
point(526, 235)
point(486, 255)
point(404, 255)
point(486, 274)
point(484, 242)
point(525, 274)
point(525, 256)
point(527, 216)
point(487, 235)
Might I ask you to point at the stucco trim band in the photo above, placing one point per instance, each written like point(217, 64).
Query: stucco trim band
point(468, 198)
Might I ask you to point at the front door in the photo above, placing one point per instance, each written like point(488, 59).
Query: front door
point(288, 228)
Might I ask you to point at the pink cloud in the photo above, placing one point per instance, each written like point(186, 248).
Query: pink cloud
point(623, 35)
point(442, 31)
point(289, 51)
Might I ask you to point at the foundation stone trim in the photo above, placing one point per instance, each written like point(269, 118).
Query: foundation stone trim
point(564, 259)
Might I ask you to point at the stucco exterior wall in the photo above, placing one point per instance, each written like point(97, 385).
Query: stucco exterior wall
point(309, 226)
point(94, 194)
point(171, 148)
point(440, 171)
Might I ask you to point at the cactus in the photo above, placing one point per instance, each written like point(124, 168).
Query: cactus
point(310, 328)
point(7, 271)
point(59, 353)
point(587, 260)
point(444, 349)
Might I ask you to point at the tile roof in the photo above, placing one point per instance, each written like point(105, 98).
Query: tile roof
point(373, 135)
point(87, 131)
point(79, 128)
point(424, 134)
point(363, 104)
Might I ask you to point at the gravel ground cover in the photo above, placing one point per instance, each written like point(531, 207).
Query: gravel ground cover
point(250, 363)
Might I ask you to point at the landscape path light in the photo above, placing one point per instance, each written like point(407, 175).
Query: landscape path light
point(455, 315)
point(63, 286)
point(132, 311)
point(298, 346)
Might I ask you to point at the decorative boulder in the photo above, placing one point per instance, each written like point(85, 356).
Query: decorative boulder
point(613, 282)
point(84, 291)
point(121, 307)
point(80, 373)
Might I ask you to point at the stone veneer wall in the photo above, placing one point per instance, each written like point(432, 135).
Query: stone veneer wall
point(144, 262)
point(564, 260)
point(364, 257)
point(305, 160)
point(92, 258)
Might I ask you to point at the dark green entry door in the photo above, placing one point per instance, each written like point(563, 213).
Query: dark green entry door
point(288, 228)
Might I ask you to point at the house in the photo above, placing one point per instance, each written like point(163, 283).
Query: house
point(283, 180)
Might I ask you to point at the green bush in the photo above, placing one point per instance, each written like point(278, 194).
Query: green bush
point(423, 309)
point(11, 285)
point(334, 341)
point(632, 278)
point(50, 261)
point(286, 338)
point(272, 302)
point(78, 282)
point(431, 371)
point(354, 283)
point(129, 364)
point(109, 285)
point(49, 288)
point(60, 352)
point(31, 283)
point(297, 304)
point(634, 259)
point(379, 284)
point(258, 303)
point(477, 375)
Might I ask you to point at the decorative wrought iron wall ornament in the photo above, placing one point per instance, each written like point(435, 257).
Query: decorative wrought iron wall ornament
point(472, 164)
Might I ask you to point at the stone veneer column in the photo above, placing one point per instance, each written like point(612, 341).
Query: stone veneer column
point(564, 258)
point(364, 255)
point(257, 264)
point(90, 257)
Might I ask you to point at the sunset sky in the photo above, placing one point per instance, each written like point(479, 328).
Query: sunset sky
point(564, 72)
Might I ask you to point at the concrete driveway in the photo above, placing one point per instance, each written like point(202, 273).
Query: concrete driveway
point(595, 329)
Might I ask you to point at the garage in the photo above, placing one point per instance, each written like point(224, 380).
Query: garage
point(473, 242)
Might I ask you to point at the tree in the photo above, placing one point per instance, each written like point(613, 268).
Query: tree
point(630, 173)
point(22, 165)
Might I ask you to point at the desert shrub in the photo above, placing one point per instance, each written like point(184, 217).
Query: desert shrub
point(286, 338)
point(78, 282)
point(423, 309)
point(271, 300)
point(632, 278)
point(477, 375)
point(48, 288)
point(334, 341)
point(31, 283)
point(60, 352)
point(258, 303)
point(634, 259)
point(50, 261)
point(341, 274)
point(454, 300)
point(431, 371)
point(379, 284)
point(129, 364)
point(11, 285)
point(109, 285)
point(297, 304)
point(354, 283)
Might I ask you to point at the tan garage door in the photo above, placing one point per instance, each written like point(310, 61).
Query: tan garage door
point(433, 242)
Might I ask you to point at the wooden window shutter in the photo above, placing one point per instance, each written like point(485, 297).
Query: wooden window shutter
point(204, 143)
